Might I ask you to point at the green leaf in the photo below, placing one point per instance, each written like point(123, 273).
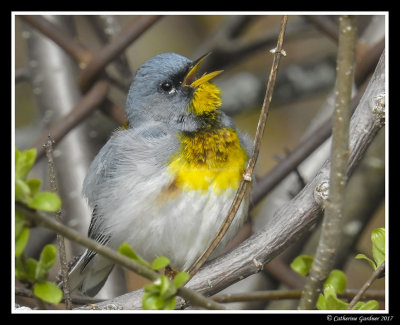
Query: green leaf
point(358, 305)
point(369, 305)
point(333, 302)
point(152, 302)
point(165, 291)
point(21, 241)
point(321, 302)
point(20, 273)
point(126, 250)
point(22, 191)
point(378, 245)
point(24, 161)
point(152, 288)
point(338, 280)
point(48, 291)
point(48, 257)
point(30, 268)
point(160, 262)
point(34, 185)
point(46, 201)
point(180, 279)
point(364, 257)
point(19, 223)
point(302, 264)
point(170, 303)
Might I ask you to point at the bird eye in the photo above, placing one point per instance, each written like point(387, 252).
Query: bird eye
point(166, 86)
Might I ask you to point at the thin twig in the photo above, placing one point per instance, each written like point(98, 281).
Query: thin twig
point(228, 48)
point(293, 219)
point(246, 180)
point(332, 222)
point(367, 284)
point(295, 157)
point(114, 48)
point(77, 300)
point(291, 294)
point(107, 27)
point(70, 45)
point(88, 103)
point(41, 219)
point(267, 183)
point(325, 24)
point(60, 239)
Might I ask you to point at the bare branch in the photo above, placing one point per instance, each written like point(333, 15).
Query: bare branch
point(82, 109)
point(290, 294)
point(367, 284)
point(246, 181)
point(43, 220)
point(332, 222)
point(60, 239)
point(72, 46)
point(120, 42)
point(291, 220)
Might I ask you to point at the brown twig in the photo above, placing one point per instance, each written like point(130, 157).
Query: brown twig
point(70, 45)
point(295, 157)
point(268, 182)
point(366, 285)
point(60, 239)
point(120, 42)
point(41, 219)
point(78, 300)
point(332, 222)
point(278, 270)
point(293, 219)
point(246, 181)
point(366, 64)
point(227, 48)
point(290, 294)
point(325, 24)
point(94, 97)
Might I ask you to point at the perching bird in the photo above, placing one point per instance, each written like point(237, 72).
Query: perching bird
point(164, 184)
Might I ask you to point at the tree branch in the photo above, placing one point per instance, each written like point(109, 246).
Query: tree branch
point(367, 284)
point(290, 294)
point(120, 42)
point(291, 220)
point(43, 220)
point(246, 181)
point(69, 44)
point(92, 99)
point(60, 239)
point(332, 222)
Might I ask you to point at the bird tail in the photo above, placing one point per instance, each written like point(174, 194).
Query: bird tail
point(89, 273)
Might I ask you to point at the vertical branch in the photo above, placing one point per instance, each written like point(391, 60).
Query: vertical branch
point(60, 239)
point(332, 222)
point(247, 177)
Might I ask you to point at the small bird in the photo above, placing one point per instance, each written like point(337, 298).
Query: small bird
point(165, 183)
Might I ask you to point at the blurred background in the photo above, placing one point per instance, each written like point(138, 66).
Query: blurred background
point(52, 80)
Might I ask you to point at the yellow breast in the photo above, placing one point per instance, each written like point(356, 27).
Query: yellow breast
point(208, 160)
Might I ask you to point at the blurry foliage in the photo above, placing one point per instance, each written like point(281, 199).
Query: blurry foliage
point(30, 271)
point(336, 282)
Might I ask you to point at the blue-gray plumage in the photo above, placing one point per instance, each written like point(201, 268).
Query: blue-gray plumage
point(134, 195)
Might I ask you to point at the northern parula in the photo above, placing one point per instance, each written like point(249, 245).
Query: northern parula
point(166, 182)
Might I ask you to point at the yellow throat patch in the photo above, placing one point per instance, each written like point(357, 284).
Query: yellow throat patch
point(206, 99)
point(209, 159)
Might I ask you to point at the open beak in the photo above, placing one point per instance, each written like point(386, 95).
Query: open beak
point(191, 80)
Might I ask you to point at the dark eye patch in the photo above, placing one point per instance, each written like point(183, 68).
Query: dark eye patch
point(167, 86)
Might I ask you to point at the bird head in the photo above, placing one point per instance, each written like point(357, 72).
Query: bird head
point(167, 88)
